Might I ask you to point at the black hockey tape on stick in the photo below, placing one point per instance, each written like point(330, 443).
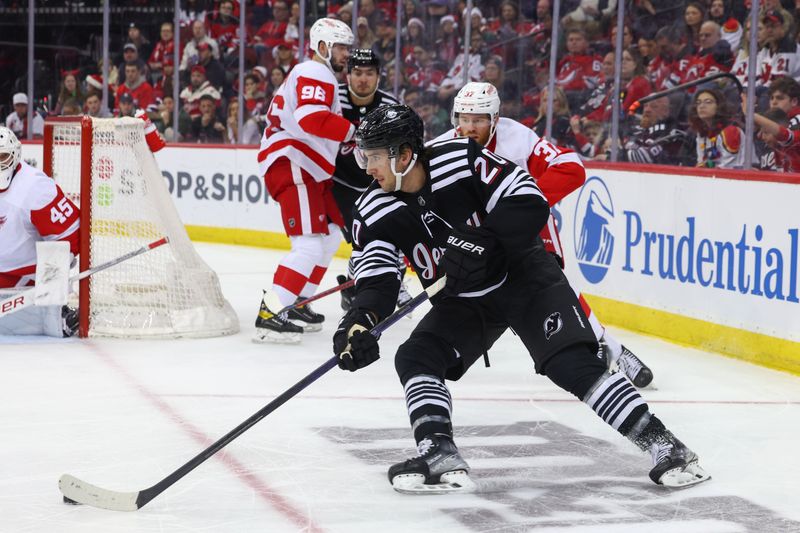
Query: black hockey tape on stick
point(85, 493)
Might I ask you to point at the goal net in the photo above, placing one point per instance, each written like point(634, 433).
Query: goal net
point(106, 168)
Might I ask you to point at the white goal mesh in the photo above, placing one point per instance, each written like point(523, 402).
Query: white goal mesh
point(167, 292)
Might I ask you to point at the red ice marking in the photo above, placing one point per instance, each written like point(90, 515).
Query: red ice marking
point(266, 492)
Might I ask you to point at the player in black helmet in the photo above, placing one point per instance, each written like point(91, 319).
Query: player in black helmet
point(358, 96)
point(457, 209)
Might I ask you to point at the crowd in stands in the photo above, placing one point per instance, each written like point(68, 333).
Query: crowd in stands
point(666, 43)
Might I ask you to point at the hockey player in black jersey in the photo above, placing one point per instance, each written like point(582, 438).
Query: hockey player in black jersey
point(458, 210)
point(358, 96)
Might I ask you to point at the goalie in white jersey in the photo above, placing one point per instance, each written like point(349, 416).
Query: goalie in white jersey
point(32, 209)
point(558, 171)
point(297, 158)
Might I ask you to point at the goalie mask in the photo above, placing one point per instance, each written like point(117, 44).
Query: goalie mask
point(478, 98)
point(331, 32)
point(390, 127)
point(10, 156)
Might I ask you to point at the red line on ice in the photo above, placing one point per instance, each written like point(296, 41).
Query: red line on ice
point(267, 493)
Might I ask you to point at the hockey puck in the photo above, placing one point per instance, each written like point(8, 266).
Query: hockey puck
point(70, 502)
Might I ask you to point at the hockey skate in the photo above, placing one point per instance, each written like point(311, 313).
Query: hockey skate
point(347, 294)
point(311, 321)
point(633, 367)
point(272, 328)
point(676, 465)
point(438, 469)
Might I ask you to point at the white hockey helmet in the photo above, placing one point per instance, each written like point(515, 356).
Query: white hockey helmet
point(329, 31)
point(10, 156)
point(477, 97)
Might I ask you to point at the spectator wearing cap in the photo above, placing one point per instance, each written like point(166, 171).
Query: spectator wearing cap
point(130, 54)
point(198, 87)
point(17, 120)
point(448, 46)
point(780, 55)
point(136, 37)
point(364, 37)
point(434, 11)
point(215, 72)
point(164, 47)
point(384, 47)
point(206, 125)
point(125, 106)
point(272, 32)
point(137, 86)
point(414, 35)
point(285, 55)
point(165, 84)
point(789, 25)
point(191, 56)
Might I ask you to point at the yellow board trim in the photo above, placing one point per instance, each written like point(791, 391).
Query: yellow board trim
point(248, 237)
point(772, 352)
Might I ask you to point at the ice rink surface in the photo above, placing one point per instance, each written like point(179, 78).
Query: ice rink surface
point(124, 414)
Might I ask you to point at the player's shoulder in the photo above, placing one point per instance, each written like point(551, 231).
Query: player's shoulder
point(375, 205)
point(387, 98)
point(439, 147)
point(512, 127)
point(446, 136)
point(31, 188)
point(314, 70)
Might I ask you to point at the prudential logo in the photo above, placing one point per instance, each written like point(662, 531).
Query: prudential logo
point(594, 243)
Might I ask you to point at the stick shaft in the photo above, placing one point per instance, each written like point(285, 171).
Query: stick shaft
point(148, 494)
point(23, 299)
point(347, 284)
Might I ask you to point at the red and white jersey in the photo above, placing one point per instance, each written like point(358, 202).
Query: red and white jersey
point(783, 61)
point(305, 123)
point(721, 150)
point(32, 209)
point(558, 171)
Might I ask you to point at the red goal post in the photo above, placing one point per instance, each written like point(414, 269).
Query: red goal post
point(105, 166)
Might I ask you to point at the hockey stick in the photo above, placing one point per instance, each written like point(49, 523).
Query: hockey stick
point(20, 301)
point(689, 84)
point(77, 491)
point(346, 285)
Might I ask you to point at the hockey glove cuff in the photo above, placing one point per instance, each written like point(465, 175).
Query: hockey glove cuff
point(466, 259)
point(353, 343)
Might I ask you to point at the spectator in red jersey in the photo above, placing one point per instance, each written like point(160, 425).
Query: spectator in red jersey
point(448, 46)
point(578, 71)
point(136, 85)
point(719, 140)
point(694, 14)
point(191, 56)
point(165, 47)
point(633, 81)
point(424, 74)
point(676, 53)
point(784, 142)
point(715, 54)
point(784, 94)
point(730, 28)
point(199, 87)
point(164, 85)
point(272, 32)
point(223, 27)
point(510, 24)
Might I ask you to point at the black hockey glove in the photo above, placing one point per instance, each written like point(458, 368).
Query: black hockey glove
point(466, 259)
point(353, 343)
